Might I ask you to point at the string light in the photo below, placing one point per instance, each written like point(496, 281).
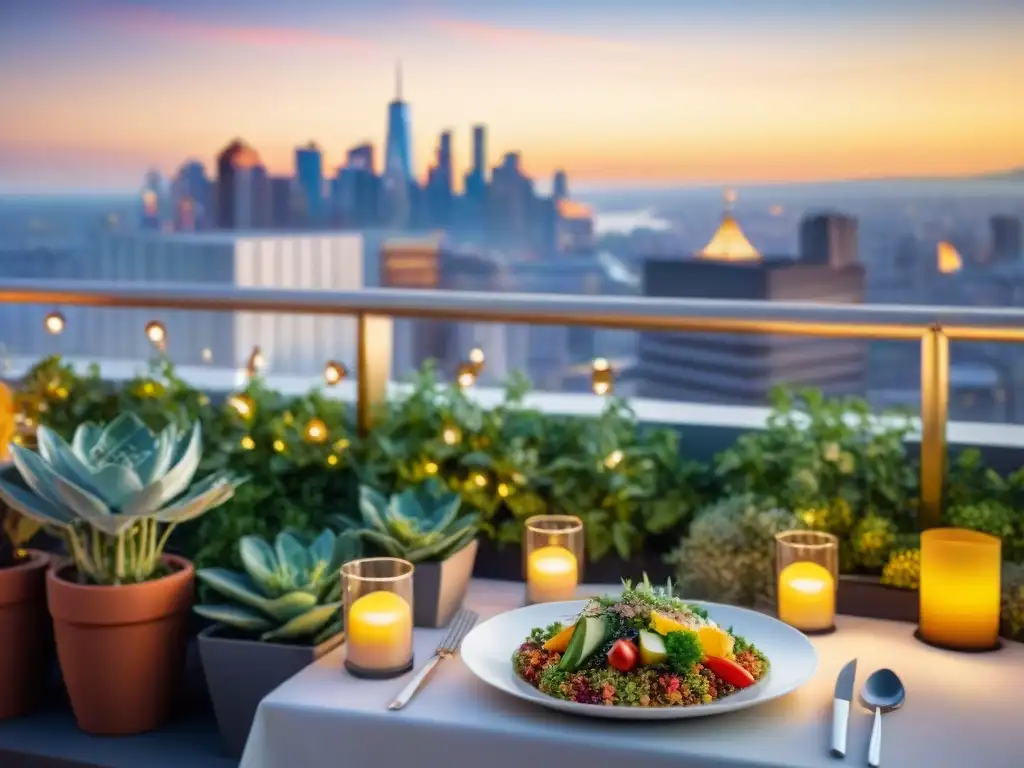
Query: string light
point(479, 479)
point(430, 468)
point(157, 334)
point(248, 443)
point(256, 362)
point(341, 444)
point(332, 460)
point(334, 372)
point(316, 431)
point(602, 378)
point(451, 435)
point(54, 323)
point(242, 405)
point(614, 459)
point(279, 446)
point(503, 490)
point(207, 354)
point(466, 376)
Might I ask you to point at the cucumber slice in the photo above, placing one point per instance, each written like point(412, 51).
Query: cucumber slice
point(589, 635)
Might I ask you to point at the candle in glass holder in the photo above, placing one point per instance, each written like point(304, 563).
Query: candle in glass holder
point(807, 597)
point(377, 593)
point(807, 568)
point(379, 633)
point(552, 574)
point(960, 589)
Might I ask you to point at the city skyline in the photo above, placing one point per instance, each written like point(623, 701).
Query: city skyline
point(101, 90)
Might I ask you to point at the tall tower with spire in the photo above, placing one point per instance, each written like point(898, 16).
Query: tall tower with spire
point(398, 168)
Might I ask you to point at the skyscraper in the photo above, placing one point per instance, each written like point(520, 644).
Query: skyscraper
point(560, 186)
point(191, 195)
point(234, 200)
point(440, 194)
point(829, 239)
point(152, 196)
point(398, 168)
point(1007, 238)
point(476, 178)
point(309, 172)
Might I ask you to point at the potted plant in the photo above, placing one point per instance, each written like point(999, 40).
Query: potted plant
point(423, 525)
point(119, 604)
point(25, 642)
point(278, 617)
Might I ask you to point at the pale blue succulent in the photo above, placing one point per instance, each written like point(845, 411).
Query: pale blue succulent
point(122, 482)
point(418, 525)
point(289, 592)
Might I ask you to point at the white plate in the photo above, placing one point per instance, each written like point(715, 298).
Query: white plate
point(488, 649)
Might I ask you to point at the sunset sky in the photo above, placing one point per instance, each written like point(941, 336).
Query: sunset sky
point(94, 92)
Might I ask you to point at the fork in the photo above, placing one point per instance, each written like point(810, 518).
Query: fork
point(449, 646)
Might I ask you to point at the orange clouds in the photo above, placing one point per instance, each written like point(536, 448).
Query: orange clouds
point(153, 21)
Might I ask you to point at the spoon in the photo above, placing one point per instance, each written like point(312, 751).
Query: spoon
point(883, 692)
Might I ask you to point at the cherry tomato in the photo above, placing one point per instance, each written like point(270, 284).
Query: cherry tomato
point(623, 655)
point(729, 671)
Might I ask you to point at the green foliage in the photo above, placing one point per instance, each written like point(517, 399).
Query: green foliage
point(729, 554)
point(993, 518)
point(289, 592)
point(903, 569)
point(832, 463)
point(419, 524)
point(115, 493)
point(683, 649)
point(1013, 601)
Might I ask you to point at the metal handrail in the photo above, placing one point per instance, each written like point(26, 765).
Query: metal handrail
point(374, 309)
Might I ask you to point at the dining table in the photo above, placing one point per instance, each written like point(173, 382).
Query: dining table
point(962, 710)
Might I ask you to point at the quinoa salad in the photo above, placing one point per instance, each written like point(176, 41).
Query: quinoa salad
point(643, 648)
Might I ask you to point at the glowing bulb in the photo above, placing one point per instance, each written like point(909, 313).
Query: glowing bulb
point(602, 378)
point(242, 405)
point(476, 356)
point(466, 376)
point(207, 354)
point(333, 373)
point(341, 444)
point(601, 364)
point(479, 479)
point(332, 460)
point(430, 468)
point(248, 443)
point(256, 362)
point(451, 435)
point(503, 490)
point(614, 459)
point(279, 446)
point(316, 431)
point(156, 333)
point(54, 323)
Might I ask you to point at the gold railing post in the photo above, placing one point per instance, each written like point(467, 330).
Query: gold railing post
point(934, 416)
point(373, 366)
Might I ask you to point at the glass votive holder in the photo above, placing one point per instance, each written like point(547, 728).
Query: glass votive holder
point(552, 557)
point(960, 589)
point(807, 571)
point(377, 596)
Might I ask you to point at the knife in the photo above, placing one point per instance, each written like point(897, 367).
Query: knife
point(841, 707)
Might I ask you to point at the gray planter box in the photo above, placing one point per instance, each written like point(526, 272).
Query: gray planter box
point(439, 588)
point(240, 672)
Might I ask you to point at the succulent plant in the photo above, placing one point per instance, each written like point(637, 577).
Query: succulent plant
point(729, 553)
point(114, 494)
point(289, 592)
point(420, 524)
point(903, 569)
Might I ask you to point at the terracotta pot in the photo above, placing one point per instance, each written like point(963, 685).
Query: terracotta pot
point(26, 642)
point(121, 649)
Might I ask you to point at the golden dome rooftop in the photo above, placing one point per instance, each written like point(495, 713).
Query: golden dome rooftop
point(729, 243)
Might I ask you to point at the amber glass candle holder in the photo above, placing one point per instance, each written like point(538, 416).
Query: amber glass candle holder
point(807, 574)
point(377, 595)
point(960, 590)
point(552, 558)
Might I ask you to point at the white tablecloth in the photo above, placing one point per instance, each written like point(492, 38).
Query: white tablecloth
point(962, 711)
